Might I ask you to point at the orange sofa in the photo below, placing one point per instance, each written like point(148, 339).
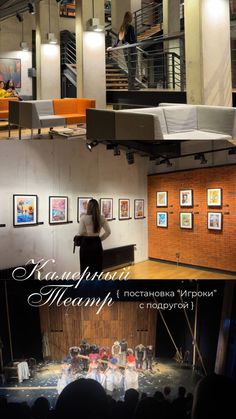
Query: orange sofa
point(73, 109)
point(4, 106)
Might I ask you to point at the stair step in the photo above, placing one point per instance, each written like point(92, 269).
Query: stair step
point(149, 32)
point(118, 80)
point(117, 85)
point(118, 75)
point(113, 70)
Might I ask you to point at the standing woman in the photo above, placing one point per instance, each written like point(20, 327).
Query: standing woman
point(91, 252)
point(127, 35)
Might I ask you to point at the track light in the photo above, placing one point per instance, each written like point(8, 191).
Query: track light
point(116, 151)
point(201, 157)
point(165, 161)
point(130, 157)
point(31, 8)
point(232, 151)
point(19, 17)
point(91, 145)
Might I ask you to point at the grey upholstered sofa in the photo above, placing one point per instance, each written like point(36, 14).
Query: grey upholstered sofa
point(178, 122)
point(34, 114)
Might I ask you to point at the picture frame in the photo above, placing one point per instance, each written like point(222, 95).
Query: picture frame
point(58, 209)
point(138, 208)
point(106, 208)
point(186, 220)
point(214, 197)
point(186, 198)
point(162, 199)
point(10, 69)
point(124, 209)
point(82, 203)
point(25, 210)
point(162, 219)
point(214, 220)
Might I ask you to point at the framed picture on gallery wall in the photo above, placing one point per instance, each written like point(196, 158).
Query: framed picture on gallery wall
point(162, 219)
point(106, 208)
point(186, 198)
point(138, 208)
point(214, 220)
point(186, 220)
point(124, 209)
point(82, 204)
point(10, 69)
point(25, 210)
point(162, 199)
point(58, 209)
point(214, 197)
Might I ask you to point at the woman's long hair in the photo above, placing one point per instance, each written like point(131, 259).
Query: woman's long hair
point(93, 209)
point(128, 17)
point(8, 85)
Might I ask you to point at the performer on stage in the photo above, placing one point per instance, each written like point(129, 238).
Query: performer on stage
point(104, 355)
point(66, 376)
point(74, 351)
point(84, 350)
point(123, 355)
point(116, 351)
point(94, 349)
point(139, 355)
point(149, 351)
point(94, 371)
point(131, 375)
point(113, 375)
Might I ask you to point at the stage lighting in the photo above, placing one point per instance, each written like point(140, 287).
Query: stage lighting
point(31, 8)
point(19, 17)
point(91, 145)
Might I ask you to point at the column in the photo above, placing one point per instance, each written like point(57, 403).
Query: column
point(90, 52)
point(207, 52)
point(47, 55)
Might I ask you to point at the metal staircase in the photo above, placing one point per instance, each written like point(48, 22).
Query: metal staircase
point(68, 64)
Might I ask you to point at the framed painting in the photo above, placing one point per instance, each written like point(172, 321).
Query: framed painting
point(58, 209)
point(186, 198)
point(10, 69)
point(214, 220)
point(162, 199)
point(82, 204)
point(162, 219)
point(138, 208)
point(25, 210)
point(124, 209)
point(214, 197)
point(106, 208)
point(186, 220)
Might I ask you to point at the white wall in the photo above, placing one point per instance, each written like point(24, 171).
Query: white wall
point(66, 167)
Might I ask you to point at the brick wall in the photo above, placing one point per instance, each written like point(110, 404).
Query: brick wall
point(199, 246)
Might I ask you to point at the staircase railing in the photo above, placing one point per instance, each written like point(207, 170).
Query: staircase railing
point(159, 64)
point(149, 15)
point(68, 48)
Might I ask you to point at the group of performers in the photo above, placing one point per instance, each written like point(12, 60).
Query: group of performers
point(113, 369)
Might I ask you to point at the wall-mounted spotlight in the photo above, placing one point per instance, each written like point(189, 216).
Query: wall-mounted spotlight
point(130, 157)
point(201, 157)
point(31, 8)
point(91, 145)
point(116, 151)
point(232, 151)
point(166, 161)
point(19, 17)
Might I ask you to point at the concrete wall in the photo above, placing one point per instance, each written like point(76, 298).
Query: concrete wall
point(66, 167)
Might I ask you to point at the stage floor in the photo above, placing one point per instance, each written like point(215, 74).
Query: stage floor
point(165, 372)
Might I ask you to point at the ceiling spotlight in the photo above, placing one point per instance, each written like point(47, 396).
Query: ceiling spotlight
point(232, 151)
point(165, 161)
point(19, 17)
point(116, 151)
point(31, 8)
point(201, 157)
point(110, 147)
point(130, 157)
point(91, 145)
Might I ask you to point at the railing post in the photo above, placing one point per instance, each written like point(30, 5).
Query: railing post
point(182, 65)
point(173, 70)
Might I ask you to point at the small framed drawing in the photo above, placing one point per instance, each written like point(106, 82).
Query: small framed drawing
point(58, 209)
point(214, 221)
point(162, 219)
point(25, 210)
point(214, 197)
point(82, 204)
point(162, 199)
point(124, 209)
point(186, 198)
point(186, 220)
point(106, 208)
point(138, 208)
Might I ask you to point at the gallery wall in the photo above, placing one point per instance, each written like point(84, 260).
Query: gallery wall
point(197, 246)
point(67, 168)
point(66, 327)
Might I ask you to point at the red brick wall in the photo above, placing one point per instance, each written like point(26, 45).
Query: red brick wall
point(199, 246)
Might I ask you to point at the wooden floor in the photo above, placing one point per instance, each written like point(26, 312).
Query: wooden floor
point(157, 270)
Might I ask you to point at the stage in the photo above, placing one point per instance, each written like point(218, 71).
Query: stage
point(44, 383)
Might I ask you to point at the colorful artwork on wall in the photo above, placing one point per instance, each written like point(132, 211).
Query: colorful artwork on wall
point(25, 210)
point(10, 69)
point(186, 220)
point(214, 220)
point(82, 204)
point(186, 198)
point(162, 219)
point(106, 207)
point(162, 199)
point(138, 208)
point(214, 197)
point(58, 209)
point(124, 209)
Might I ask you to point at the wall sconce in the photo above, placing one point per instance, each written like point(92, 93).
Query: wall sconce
point(24, 46)
point(51, 38)
point(94, 23)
